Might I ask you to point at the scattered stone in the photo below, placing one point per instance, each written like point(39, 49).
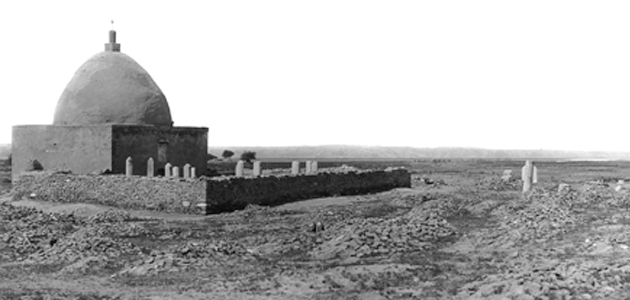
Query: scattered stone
point(507, 175)
point(564, 188)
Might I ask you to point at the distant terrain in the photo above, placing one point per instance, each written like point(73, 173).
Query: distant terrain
point(344, 152)
point(392, 153)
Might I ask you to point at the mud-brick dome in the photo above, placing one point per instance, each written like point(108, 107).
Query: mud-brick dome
point(112, 88)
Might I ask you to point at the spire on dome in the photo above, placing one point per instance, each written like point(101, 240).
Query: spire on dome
point(112, 46)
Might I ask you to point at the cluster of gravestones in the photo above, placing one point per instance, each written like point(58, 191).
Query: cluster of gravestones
point(311, 168)
point(170, 171)
point(529, 175)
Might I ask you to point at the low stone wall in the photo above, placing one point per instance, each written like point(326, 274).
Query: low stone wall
point(235, 193)
point(202, 195)
point(135, 192)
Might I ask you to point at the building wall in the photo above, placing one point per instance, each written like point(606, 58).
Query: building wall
point(181, 145)
point(188, 145)
point(80, 149)
point(136, 141)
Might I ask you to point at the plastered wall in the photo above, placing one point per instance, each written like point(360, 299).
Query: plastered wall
point(83, 149)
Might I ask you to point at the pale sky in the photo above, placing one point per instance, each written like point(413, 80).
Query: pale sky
point(489, 74)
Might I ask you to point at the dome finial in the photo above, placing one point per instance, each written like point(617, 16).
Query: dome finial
point(112, 46)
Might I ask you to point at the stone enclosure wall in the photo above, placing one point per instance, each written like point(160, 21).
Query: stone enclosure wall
point(201, 195)
point(236, 193)
point(136, 192)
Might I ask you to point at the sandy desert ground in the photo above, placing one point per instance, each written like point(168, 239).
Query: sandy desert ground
point(460, 232)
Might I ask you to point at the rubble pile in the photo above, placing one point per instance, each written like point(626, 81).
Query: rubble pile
point(498, 184)
point(542, 217)
point(547, 277)
point(603, 196)
point(85, 242)
point(200, 254)
point(153, 193)
point(52, 237)
point(426, 181)
point(29, 230)
point(357, 237)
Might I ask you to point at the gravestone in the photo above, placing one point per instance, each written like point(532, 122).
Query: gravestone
point(129, 166)
point(193, 172)
point(150, 167)
point(526, 175)
point(167, 170)
point(308, 167)
point(240, 165)
point(295, 168)
point(257, 169)
point(187, 171)
point(175, 172)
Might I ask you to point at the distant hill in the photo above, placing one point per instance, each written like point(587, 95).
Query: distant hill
point(392, 153)
point(380, 152)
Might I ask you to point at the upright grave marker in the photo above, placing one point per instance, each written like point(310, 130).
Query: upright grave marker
point(309, 167)
point(295, 167)
point(187, 171)
point(257, 169)
point(150, 167)
point(129, 166)
point(240, 165)
point(167, 170)
point(527, 175)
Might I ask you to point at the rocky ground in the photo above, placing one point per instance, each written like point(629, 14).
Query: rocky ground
point(453, 235)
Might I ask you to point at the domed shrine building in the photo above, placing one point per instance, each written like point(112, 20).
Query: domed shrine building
point(111, 109)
